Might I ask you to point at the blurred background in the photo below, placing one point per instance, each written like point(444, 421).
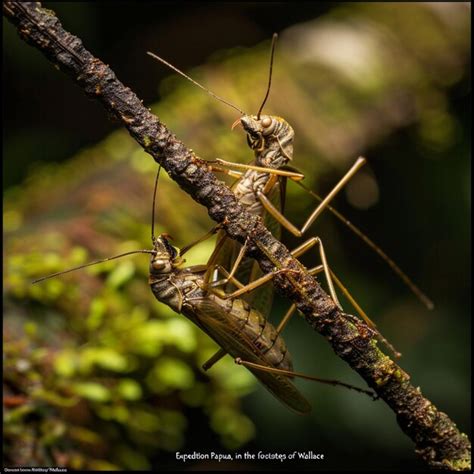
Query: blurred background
point(99, 375)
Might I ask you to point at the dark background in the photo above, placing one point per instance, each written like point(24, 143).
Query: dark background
point(120, 34)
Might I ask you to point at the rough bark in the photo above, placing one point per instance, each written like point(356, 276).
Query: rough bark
point(437, 439)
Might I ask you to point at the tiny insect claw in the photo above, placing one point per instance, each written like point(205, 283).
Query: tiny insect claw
point(286, 270)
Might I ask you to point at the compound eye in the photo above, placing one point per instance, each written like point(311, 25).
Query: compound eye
point(158, 265)
point(266, 122)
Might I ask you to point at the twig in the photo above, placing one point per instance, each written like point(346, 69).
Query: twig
point(437, 439)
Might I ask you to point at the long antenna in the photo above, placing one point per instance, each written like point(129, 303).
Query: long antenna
point(91, 263)
point(274, 40)
point(395, 268)
point(195, 82)
point(115, 256)
point(153, 206)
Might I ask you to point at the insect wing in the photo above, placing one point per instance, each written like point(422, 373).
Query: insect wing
point(261, 298)
point(225, 331)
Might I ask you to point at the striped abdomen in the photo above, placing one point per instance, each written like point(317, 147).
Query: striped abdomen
point(236, 327)
point(233, 324)
point(242, 331)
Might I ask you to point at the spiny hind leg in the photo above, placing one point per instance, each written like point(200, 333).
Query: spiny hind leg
point(289, 373)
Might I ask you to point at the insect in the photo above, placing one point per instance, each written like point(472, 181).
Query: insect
point(240, 330)
point(261, 188)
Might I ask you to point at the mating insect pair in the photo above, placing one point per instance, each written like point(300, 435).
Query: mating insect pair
point(261, 188)
point(240, 330)
point(237, 326)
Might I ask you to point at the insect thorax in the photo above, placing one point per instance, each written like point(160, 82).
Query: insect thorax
point(277, 150)
point(174, 288)
point(247, 188)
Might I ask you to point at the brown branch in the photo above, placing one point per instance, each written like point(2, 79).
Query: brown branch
point(436, 437)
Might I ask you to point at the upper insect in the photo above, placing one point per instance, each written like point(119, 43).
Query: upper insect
point(270, 137)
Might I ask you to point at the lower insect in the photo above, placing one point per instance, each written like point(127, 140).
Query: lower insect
point(239, 329)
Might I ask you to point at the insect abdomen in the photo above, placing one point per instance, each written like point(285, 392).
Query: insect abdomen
point(268, 344)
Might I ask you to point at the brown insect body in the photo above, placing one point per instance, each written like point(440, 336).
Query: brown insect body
point(271, 138)
point(242, 331)
point(273, 148)
point(263, 193)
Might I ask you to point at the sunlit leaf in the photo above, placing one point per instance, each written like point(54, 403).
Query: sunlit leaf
point(92, 391)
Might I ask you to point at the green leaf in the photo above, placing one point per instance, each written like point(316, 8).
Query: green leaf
point(148, 338)
point(122, 273)
point(104, 357)
point(65, 363)
point(96, 313)
point(92, 391)
point(129, 389)
point(171, 373)
point(180, 333)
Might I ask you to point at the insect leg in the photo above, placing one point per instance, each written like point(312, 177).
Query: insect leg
point(221, 352)
point(355, 167)
point(201, 239)
point(360, 311)
point(425, 300)
point(286, 318)
point(304, 247)
point(422, 297)
point(363, 314)
point(301, 249)
point(298, 251)
point(230, 276)
point(265, 278)
point(289, 373)
point(294, 175)
point(270, 208)
point(211, 263)
point(315, 271)
point(218, 169)
point(256, 283)
point(214, 359)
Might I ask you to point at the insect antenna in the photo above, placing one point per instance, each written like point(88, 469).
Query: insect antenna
point(195, 82)
point(153, 238)
point(91, 263)
point(274, 40)
point(425, 300)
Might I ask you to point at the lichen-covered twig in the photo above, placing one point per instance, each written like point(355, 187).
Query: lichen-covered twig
point(436, 437)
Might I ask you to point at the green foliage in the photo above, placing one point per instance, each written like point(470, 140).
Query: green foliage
point(94, 348)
